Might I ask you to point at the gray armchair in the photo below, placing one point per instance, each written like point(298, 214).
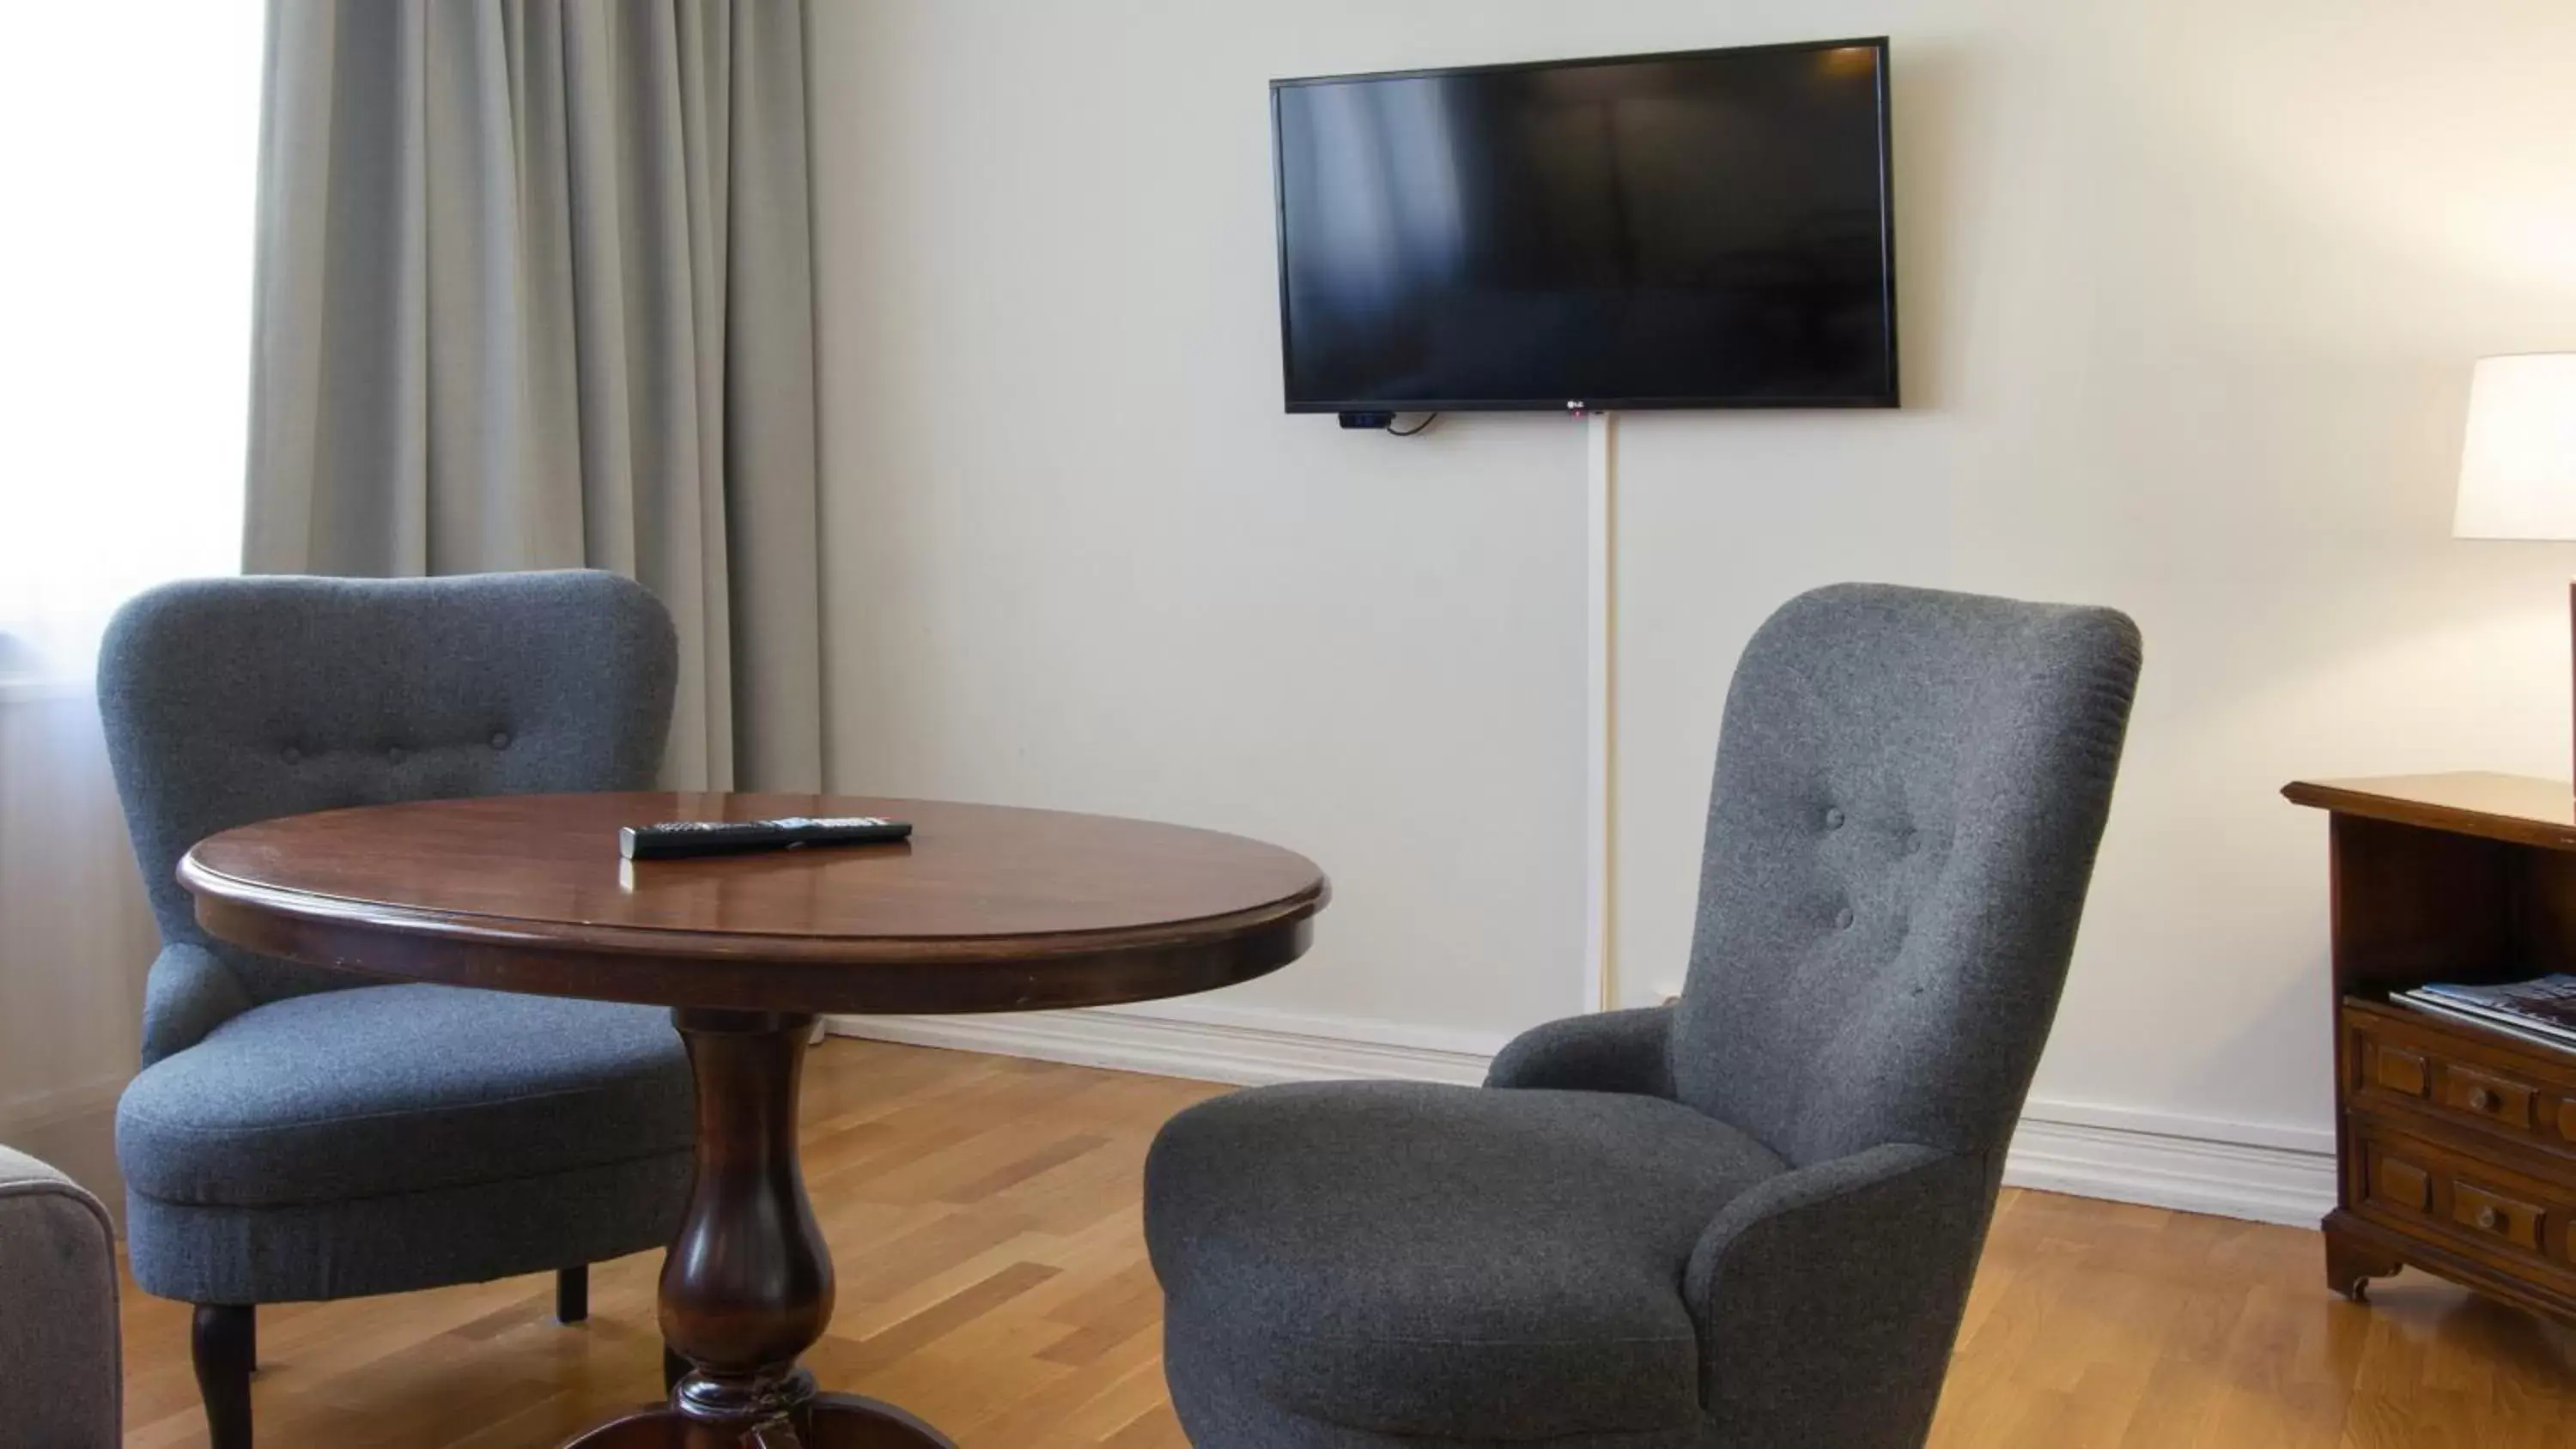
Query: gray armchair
point(60, 1378)
point(1747, 1221)
point(301, 1134)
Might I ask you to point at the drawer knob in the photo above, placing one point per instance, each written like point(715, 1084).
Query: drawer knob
point(2490, 1219)
point(2484, 1099)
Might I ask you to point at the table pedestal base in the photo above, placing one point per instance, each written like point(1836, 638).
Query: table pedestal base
point(747, 1286)
point(827, 1421)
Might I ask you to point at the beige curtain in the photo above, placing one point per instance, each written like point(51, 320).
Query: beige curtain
point(535, 290)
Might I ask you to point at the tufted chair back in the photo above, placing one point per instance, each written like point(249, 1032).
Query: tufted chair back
point(1909, 789)
point(233, 700)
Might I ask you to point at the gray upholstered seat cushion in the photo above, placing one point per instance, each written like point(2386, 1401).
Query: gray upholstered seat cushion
point(1413, 1259)
point(398, 1089)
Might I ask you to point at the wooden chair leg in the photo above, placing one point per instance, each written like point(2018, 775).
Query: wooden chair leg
point(224, 1342)
point(572, 1294)
point(674, 1368)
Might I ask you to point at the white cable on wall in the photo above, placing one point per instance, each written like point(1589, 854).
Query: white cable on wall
point(1600, 715)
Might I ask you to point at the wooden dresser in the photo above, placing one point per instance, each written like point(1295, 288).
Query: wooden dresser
point(2456, 1145)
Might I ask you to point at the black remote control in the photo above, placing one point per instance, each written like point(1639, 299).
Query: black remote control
point(726, 837)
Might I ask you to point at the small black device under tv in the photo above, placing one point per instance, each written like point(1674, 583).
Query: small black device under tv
point(1702, 229)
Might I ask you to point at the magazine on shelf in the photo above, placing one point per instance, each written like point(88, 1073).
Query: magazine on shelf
point(2521, 1031)
point(2544, 1008)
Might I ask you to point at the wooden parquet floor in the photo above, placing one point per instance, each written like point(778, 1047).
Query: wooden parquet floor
point(983, 1215)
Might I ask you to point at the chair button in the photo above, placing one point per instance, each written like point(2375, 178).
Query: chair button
point(500, 739)
point(1843, 919)
point(293, 755)
point(1833, 819)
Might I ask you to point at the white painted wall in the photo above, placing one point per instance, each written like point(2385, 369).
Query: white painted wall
point(75, 937)
point(2190, 292)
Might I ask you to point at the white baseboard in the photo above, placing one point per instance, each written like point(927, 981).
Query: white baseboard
point(2266, 1173)
point(2269, 1174)
point(74, 1129)
point(1211, 1044)
point(52, 1106)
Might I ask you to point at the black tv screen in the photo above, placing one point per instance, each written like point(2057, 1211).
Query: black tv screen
point(1707, 229)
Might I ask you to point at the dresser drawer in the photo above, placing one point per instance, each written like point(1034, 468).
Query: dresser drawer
point(2519, 1223)
point(2488, 1095)
point(2457, 1073)
point(2432, 1191)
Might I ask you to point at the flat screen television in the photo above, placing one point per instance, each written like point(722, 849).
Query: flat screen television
point(1707, 229)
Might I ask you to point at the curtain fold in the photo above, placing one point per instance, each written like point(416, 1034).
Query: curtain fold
point(535, 290)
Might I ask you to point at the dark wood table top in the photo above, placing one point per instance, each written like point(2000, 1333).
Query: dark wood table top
point(2524, 809)
point(986, 908)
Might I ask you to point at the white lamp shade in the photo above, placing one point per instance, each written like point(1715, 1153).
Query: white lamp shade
point(2518, 464)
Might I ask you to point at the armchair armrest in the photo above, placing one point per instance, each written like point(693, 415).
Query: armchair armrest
point(1827, 1298)
point(1609, 1051)
point(58, 1346)
point(189, 993)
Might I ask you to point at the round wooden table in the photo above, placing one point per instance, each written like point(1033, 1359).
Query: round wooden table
point(984, 909)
